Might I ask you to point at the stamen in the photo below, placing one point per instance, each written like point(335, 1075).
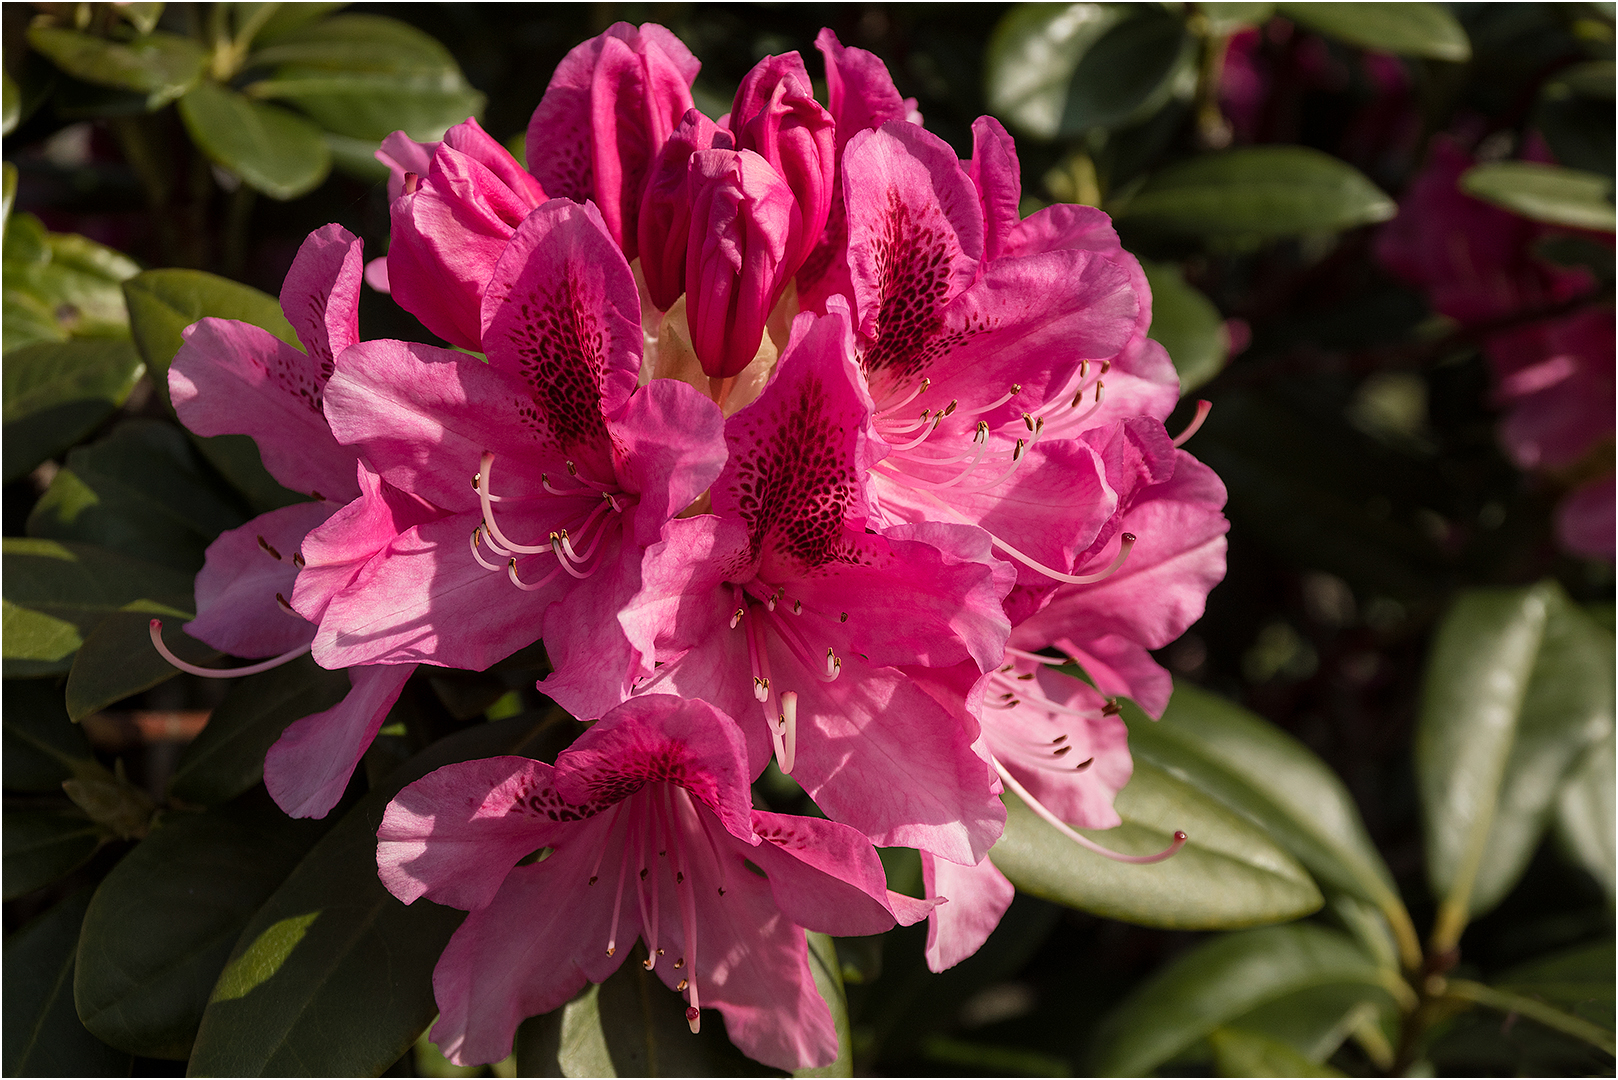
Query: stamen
point(1203, 409)
point(688, 921)
point(477, 534)
point(276, 555)
point(1054, 661)
point(297, 560)
point(564, 562)
point(489, 524)
point(919, 439)
point(281, 602)
point(789, 726)
point(511, 572)
point(921, 388)
point(156, 629)
point(1078, 838)
point(618, 893)
point(1127, 542)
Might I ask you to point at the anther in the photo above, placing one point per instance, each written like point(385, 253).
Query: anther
point(843, 617)
point(281, 601)
point(736, 617)
point(680, 963)
point(1060, 750)
point(683, 983)
point(1111, 708)
point(297, 560)
point(950, 408)
point(679, 879)
point(475, 478)
point(317, 496)
point(1016, 455)
point(265, 544)
point(1085, 764)
point(797, 607)
point(593, 879)
point(572, 469)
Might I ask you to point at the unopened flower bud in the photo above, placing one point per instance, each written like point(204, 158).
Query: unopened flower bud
point(665, 208)
point(776, 116)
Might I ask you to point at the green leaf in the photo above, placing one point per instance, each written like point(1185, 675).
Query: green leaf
point(55, 394)
point(1266, 774)
point(290, 17)
point(1585, 814)
point(1519, 685)
point(163, 922)
point(118, 659)
point(140, 491)
point(42, 746)
point(10, 113)
point(1409, 29)
point(301, 993)
point(1225, 19)
point(1222, 979)
point(162, 303)
point(1258, 191)
point(160, 66)
point(44, 845)
point(43, 1035)
point(1129, 73)
point(1577, 980)
point(1548, 193)
point(1032, 56)
point(828, 975)
point(227, 758)
point(271, 149)
point(53, 589)
point(1245, 1053)
point(630, 1025)
point(1186, 323)
point(1229, 874)
point(142, 16)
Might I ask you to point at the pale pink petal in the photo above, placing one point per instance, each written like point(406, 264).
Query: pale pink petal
point(1121, 667)
point(308, 768)
point(376, 275)
point(824, 876)
point(243, 572)
point(976, 899)
point(321, 294)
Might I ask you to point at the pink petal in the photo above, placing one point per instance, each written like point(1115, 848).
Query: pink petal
point(776, 116)
point(1122, 667)
point(1584, 520)
point(237, 610)
point(321, 294)
point(231, 378)
point(308, 768)
point(997, 175)
point(824, 876)
point(860, 93)
point(455, 834)
point(376, 275)
point(593, 662)
point(977, 896)
point(402, 154)
point(671, 444)
point(664, 226)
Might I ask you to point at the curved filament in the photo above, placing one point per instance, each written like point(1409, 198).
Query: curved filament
point(1078, 838)
point(156, 629)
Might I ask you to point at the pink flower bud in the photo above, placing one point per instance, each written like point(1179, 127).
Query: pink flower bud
point(742, 213)
point(776, 116)
point(612, 104)
point(450, 228)
point(665, 207)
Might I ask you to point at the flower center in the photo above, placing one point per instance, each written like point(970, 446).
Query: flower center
point(563, 545)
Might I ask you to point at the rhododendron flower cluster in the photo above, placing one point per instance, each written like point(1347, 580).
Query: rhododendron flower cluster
point(793, 442)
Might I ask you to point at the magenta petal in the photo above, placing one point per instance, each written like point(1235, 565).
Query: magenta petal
point(376, 275)
point(231, 378)
point(997, 175)
point(824, 876)
point(1584, 520)
point(402, 155)
point(245, 569)
point(308, 768)
point(671, 440)
point(859, 91)
point(455, 834)
point(321, 294)
point(977, 896)
point(1122, 668)
point(593, 662)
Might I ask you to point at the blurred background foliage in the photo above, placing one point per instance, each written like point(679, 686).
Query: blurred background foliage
point(1392, 736)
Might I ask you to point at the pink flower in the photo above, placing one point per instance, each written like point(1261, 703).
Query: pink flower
point(234, 378)
point(650, 834)
point(450, 227)
point(575, 472)
point(611, 105)
point(786, 611)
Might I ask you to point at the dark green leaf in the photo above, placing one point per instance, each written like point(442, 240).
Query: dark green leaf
point(1585, 813)
point(1226, 19)
point(290, 17)
point(43, 845)
point(227, 758)
point(1258, 191)
point(1229, 874)
point(56, 393)
point(10, 113)
point(163, 922)
point(1265, 773)
point(1314, 1022)
point(43, 1036)
point(1221, 980)
point(271, 149)
point(304, 992)
point(42, 746)
point(1246, 1053)
point(1129, 73)
point(160, 66)
point(829, 981)
point(1031, 59)
point(58, 592)
point(1518, 687)
point(1409, 29)
point(142, 16)
point(1578, 981)
point(140, 491)
point(118, 659)
point(1547, 193)
point(1186, 323)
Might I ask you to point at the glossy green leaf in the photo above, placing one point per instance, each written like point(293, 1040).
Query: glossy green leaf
point(42, 1033)
point(1129, 73)
point(287, 18)
point(54, 590)
point(1265, 773)
point(1577, 980)
point(271, 149)
point(1548, 193)
point(1585, 814)
point(1519, 685)
point(1031, 58)
point(118, 659)
point(159, 66)
point(162, 303)
point(1409, 29)
point(1220, 980)
point(42, 845)
point(1226, 19)
point(630, 1025)
point(141, 491)
point(227, 758)
point(142, 16)
point(301, 993)
point(1245, 1053)
point(1315, 1021)
point(1186, 323)
point(42, 746)
point(1258, 191)
point(1229, 874)
point(163, 922)
point(828, 973)
point(55, 394)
